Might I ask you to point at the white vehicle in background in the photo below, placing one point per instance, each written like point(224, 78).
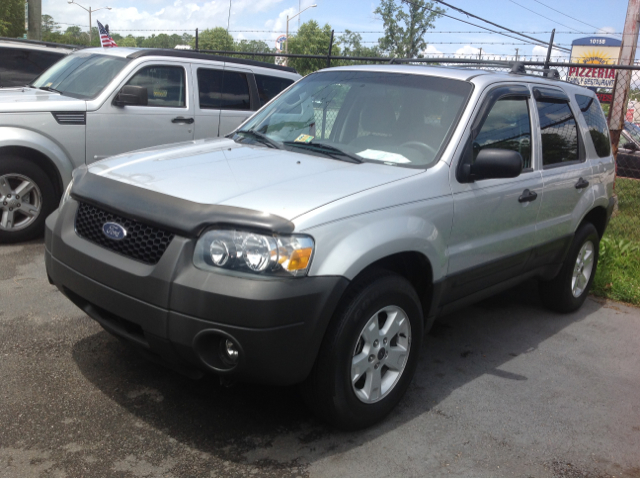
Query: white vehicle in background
point(97, 103)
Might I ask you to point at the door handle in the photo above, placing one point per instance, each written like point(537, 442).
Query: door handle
point(527, 195)
point(181, 119)
point(582, 183)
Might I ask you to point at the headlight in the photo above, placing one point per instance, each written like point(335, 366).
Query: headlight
point(66, 195)
point(254, 253)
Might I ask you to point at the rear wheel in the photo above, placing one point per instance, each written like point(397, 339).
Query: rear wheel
point(369, 353)
point(569, 289)
point(27, 196)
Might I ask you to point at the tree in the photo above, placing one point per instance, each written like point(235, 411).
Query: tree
point(215, 39)
point(311, 40)
point(405, 26)
point(49, 25)
point(12, 18)
point(352, 46)
point(128, 41)
point(255, 46)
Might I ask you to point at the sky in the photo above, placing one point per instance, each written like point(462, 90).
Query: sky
point(263, 19)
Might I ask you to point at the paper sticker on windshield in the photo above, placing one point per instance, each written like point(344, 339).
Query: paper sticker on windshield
point(384, 156)
point(304, 139)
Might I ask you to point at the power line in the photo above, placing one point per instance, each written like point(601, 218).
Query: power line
point(573, 18)
point(538, 42)
point(464, 12)
point(540, 15)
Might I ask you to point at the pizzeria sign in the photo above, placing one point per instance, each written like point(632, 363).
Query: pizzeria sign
point(595, 53)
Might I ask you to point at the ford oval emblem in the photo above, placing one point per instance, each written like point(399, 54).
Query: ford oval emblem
point(114, 231)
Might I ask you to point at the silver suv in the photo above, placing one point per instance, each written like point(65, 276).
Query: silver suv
point(318, 242)
point(97, 103)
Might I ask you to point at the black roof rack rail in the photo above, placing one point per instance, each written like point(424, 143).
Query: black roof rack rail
point(44, 44)
point(520, 69)
point(165, 52)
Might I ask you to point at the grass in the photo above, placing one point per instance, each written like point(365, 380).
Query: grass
point(618, 275)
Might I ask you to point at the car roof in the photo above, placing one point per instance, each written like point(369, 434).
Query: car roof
point(37, 45)
point(126, 52)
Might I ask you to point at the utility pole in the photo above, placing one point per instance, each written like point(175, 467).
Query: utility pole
point(618, 109)
point(34, 20)
point(517, 49)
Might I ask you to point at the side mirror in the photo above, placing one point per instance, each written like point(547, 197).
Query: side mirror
point(496, 163)
point(630, 146)
point(131, 95)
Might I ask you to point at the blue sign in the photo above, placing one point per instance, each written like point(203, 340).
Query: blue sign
point(597, 42)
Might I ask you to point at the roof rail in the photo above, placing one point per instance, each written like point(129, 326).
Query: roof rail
point(205, 56)
point(519, 68)
point(44, 44)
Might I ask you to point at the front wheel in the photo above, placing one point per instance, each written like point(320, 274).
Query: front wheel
point(369, 353)
point(569, 289)
point(26, 199)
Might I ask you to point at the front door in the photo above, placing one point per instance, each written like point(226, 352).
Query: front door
point(167, 118)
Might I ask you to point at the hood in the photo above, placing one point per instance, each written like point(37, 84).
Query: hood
point(222, 172)
point(27, 99)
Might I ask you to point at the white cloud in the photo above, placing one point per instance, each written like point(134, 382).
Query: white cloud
point(432, 51)
point(467, 50)
point(540, 54)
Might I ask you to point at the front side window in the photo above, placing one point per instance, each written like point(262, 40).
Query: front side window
point(559, 133)
point(165, 85)
point(507, 127)
point(81, 75)
point(269, 87)
point(396, 119)
point(598, 130)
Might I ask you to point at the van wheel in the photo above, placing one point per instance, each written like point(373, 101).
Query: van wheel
point(369, 353)
point(569, 289)
point(26, 199)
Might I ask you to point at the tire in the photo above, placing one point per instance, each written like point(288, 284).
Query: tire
point(565, 293)
point(379, 302)
point(22, 218)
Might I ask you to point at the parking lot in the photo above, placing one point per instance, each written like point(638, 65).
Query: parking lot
point(504, 388)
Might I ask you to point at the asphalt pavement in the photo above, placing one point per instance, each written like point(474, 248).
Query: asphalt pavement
point(504, 388)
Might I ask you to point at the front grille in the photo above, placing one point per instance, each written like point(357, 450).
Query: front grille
point(143, 242)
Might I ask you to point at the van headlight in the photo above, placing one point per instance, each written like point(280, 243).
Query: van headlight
point(254, 253)
point(66, 195)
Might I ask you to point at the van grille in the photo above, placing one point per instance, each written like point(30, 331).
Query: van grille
point(142, 242)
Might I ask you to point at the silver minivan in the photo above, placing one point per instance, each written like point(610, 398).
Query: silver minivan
point(318, 242)
point(97, 103)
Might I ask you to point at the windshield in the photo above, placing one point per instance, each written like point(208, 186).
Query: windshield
point(633, 131)
point(390, 118)
point(81, 75)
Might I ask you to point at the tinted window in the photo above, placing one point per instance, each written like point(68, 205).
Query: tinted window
point(223, 91)
point(507, 127)
point(597, 124)
point(165, 85)
point(81, 75)
point(269, 87)
point(559, 133)
point(633, 131)
point(19, 67)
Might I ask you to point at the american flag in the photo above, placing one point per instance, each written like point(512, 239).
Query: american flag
point(105, 38)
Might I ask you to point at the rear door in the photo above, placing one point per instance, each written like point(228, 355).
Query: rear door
point(238, 100)
point(566, 173)
point(167, 118)
point(208, 88)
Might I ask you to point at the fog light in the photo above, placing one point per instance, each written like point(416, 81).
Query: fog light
point(230, 351)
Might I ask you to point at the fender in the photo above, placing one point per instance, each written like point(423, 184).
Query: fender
point(345, 248)
point(12, 136)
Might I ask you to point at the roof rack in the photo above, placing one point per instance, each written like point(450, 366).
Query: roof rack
point(205, 56)
point(44, 44)
point(519, 68)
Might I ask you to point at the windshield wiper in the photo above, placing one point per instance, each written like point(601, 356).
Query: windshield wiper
point(329, 150)
point(261, 137)
point(48, 88)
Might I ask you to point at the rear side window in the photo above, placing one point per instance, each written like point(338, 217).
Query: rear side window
point(269, 87)
point(19, 67)
point(223, 90)
point(507, 127)
point(559, 133)
point(165, 85)
point(593, 115)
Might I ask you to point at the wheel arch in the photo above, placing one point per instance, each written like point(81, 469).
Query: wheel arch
point(597, 216)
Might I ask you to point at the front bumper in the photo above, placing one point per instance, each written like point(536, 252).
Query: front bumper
point(180, 314)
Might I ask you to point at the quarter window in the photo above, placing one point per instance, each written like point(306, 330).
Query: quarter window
point(165, 85)
point(507, 127)
point(559, 133)
point(269, 87)
point(598, 130)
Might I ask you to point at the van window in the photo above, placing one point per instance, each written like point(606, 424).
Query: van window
point(559, 133)
point(165, 85)
point(223, 91)
point(18, 67)
point(598, 130)
point(269, 87)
